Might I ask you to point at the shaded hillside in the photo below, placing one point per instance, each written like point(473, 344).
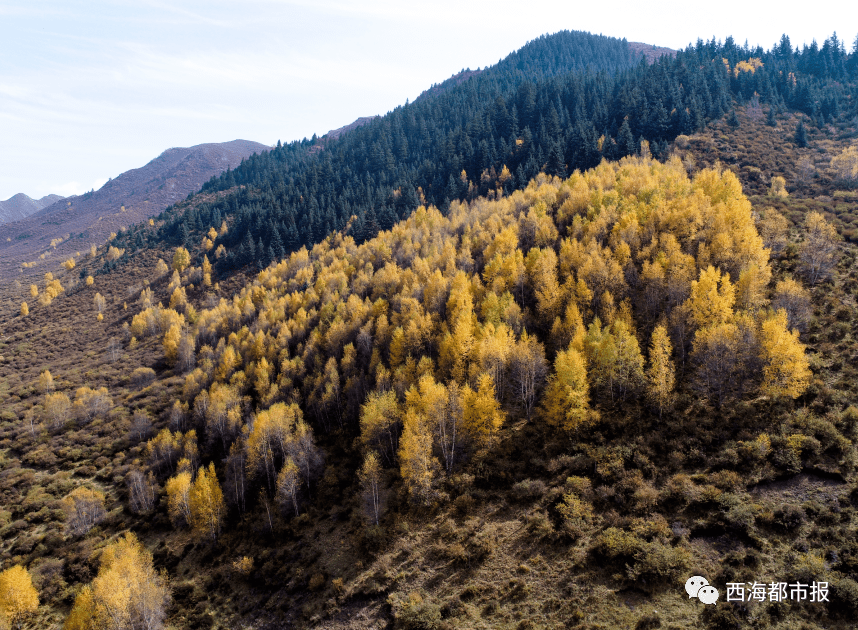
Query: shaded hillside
point(135, 195)
point(20, 206)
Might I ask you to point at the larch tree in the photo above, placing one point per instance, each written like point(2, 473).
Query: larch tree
point(417, 465)
point(172, 339)
point(661, 374)
point(712, 298)
point(381, 423)
point(161, 268)
point(18, 597)
point(482, 412)
point(127, 594)
point(567, 396)
point(46, 382)
point(751, 287)
point(181, 259)
point(25, 310)
point(844, 167)
point(774, 230)
point(627, 373)
point(207, 272)
point(141, 491)
point(207, 504)
point(100, 304)
point(717, 356)
point(787, 370)
point(178, 490)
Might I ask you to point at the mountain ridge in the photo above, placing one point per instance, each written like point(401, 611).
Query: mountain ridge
point(129, 198)
point(21, 206)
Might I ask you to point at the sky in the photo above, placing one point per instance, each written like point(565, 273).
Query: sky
point(92, 88)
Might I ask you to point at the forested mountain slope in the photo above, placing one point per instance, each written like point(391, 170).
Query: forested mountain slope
point(542, 407)
point(562, 102)
point(534, 409)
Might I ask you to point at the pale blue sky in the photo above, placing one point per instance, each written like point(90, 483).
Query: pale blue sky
point(90, 89)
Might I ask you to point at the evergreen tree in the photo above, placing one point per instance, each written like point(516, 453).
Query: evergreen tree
point(625, 140)
point(800, 137)
point(771, 121)
point(732, 119)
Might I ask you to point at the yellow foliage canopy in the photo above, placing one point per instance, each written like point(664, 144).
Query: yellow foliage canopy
point(18, 596)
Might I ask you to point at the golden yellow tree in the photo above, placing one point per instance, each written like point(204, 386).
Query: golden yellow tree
point(381, 423)
point(417, 465)
point(127, 592)
point(482, 412)
point(207, 505)
point(567, 395)
point(178, 490)
point(181, 259)
point(661, 375)
point(712, 298)
point(787, 370)
point(207, 272)
point(34, 291)
point(46, 382)
point(751, 288)
point(90, 281)
point(25, 310)
point(172, 338)
point(18, 598)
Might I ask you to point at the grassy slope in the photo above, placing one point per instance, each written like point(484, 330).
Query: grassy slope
point(493, 557)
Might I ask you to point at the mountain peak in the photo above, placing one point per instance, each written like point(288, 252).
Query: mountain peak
point(21, 206)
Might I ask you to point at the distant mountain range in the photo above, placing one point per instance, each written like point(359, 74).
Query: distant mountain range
point(129, 198)
point(20, 206)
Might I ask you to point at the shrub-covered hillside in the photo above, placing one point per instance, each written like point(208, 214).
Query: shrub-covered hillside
point(545, 408)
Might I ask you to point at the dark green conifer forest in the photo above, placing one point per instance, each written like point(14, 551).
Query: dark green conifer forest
point(562, 102)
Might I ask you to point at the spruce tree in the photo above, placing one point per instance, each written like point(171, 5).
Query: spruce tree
point(732, 119)
point(800, 137)
point(625, 140)
point(771, 121)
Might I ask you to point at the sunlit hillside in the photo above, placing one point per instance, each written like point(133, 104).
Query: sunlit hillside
point(544, 408)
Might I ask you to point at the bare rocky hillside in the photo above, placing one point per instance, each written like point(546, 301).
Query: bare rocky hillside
point(81, 221)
